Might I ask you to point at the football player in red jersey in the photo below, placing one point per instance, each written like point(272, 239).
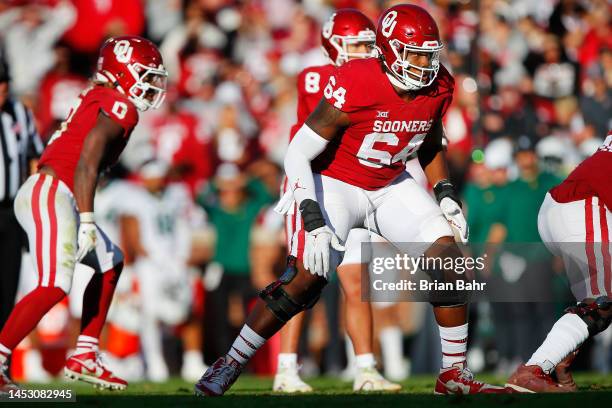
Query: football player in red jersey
point(346, 166)
point(575, 223)
point(55, 206)
point(348, 34)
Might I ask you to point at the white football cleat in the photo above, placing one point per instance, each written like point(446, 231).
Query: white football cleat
point(90, 367)
point(287, 380)
point(369, 379)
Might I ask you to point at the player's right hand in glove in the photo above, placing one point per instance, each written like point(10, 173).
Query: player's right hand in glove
point(86, 236)
point(319, 237)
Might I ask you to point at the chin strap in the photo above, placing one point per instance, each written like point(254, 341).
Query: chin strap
point(140, 105)
point(397, 82)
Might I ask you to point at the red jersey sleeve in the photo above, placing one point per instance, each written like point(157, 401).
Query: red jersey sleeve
point(601, 179)
point(342, 90)
point(448, 99)
point(310, 84)
point(305, 90)
point(117, 107)
point(303, 97)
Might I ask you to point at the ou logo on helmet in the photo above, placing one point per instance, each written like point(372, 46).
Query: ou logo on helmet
point(388, 23)
point(328, 27)
point(123, 51)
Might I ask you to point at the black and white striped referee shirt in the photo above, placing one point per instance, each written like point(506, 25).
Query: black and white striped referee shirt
point(19, 143)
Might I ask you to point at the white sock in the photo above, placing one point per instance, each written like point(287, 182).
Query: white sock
point(391, 346)
point(245, 345)
point(454, 345)
point(566, 335)
point(5, 353)
point(365, 361)
point(286, 360)
point(85, 344)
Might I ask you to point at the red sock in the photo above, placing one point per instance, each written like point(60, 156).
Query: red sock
point(97, 299)
point(27, 313)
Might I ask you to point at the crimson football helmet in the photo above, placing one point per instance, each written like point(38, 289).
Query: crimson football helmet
point(404, 31)
point(135, 67)
point(344, 27)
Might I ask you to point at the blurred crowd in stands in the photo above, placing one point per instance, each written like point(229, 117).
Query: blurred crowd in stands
point(533, 98)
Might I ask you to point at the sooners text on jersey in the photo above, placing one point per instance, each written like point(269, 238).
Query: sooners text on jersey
point(592, 177)
point(64, 148)
point(310, 84)
point(385, 130)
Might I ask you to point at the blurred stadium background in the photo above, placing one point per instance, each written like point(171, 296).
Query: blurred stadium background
point(533, 98)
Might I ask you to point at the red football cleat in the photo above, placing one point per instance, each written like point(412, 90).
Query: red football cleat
point(218, 378)
point(90, 368)
point(455, 380)
point(6, 384)
point(529, 379)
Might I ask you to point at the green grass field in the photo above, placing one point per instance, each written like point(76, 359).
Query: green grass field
point(595, 390)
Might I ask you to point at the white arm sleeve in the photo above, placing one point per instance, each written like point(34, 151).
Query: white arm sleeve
point(305, 146)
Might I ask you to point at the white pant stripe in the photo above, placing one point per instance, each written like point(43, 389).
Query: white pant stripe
point(46, 231)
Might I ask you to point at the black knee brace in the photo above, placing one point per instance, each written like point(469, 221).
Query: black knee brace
point(596, 315)
point(446, 298)
point(279, 302)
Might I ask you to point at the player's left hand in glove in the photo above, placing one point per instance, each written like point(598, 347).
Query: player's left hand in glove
point(451, 208)
point(86, 236)
point(455, 218)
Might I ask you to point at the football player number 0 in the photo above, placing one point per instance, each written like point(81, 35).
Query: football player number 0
point(119, 109)
point(371, 157)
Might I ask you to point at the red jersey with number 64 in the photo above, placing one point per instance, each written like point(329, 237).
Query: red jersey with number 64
point(64, 148)
point(384, 129)
point(310, 84)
